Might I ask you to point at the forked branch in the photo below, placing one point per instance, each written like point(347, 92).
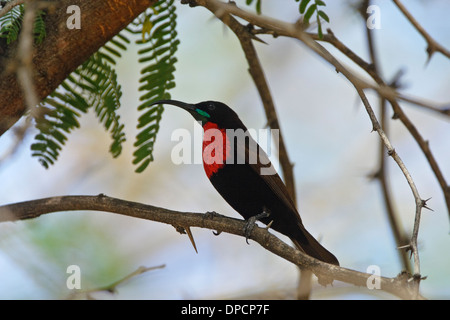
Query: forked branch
point(293, 30)
point(433, 45)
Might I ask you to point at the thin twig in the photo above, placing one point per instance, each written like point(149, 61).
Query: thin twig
point(399, 286)
point(292, 30)
point(399, 113)
point(382, 176)
point(433, 45)
point(112, 288)
point(369, 68)
point(419, 202)
point(381, 173)
point(384, 91)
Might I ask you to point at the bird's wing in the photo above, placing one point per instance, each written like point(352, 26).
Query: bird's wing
point(258, 160)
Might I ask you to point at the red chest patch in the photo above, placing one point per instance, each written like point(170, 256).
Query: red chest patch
point(216, 148)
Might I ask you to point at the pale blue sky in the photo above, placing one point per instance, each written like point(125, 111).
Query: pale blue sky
point(328, 136)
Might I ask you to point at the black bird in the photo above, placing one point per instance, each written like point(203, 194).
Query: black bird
point(233, 165)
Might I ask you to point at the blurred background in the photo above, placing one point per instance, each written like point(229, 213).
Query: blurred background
point(328, 136)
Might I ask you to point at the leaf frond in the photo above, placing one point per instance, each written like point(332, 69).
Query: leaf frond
point(159, 43)
point(92, 85)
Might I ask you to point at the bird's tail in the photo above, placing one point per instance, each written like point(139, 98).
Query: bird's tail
point(308, 244)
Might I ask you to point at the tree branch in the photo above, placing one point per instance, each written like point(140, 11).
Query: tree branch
point(398, 113)
point(399, 286)
point(369, 68)
point(433, 45)
point(295, 31)
point(418, 200)
point(62, 50)
point(381, 173)
point(292, 30)
point(112, 288)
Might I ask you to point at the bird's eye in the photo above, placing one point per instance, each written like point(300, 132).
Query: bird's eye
point(211, 107)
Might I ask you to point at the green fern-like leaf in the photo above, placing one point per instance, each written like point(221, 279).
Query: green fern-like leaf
point(59, 118)
point(99, 80)
point(39, 27)
point(11, 23)
point(159, 42)
point(309, 11)
point(92, 85)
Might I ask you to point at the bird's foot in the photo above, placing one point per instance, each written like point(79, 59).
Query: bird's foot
point(251, 222)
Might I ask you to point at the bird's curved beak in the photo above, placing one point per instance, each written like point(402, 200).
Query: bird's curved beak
point(189, 107)
point(183, 105)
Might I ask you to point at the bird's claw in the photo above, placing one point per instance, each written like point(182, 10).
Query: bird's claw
point(251, 222)
point(211, 215)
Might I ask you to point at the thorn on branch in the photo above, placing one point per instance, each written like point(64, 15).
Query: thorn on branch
point(187, 230)
point(391, 152)
point(250, 28)
point(191, 238)
point(418, 277)
point(415, 279)
point(395, 82)
point(424, 204)
point(375, 175)
point(430, 51)
point(406, 247)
